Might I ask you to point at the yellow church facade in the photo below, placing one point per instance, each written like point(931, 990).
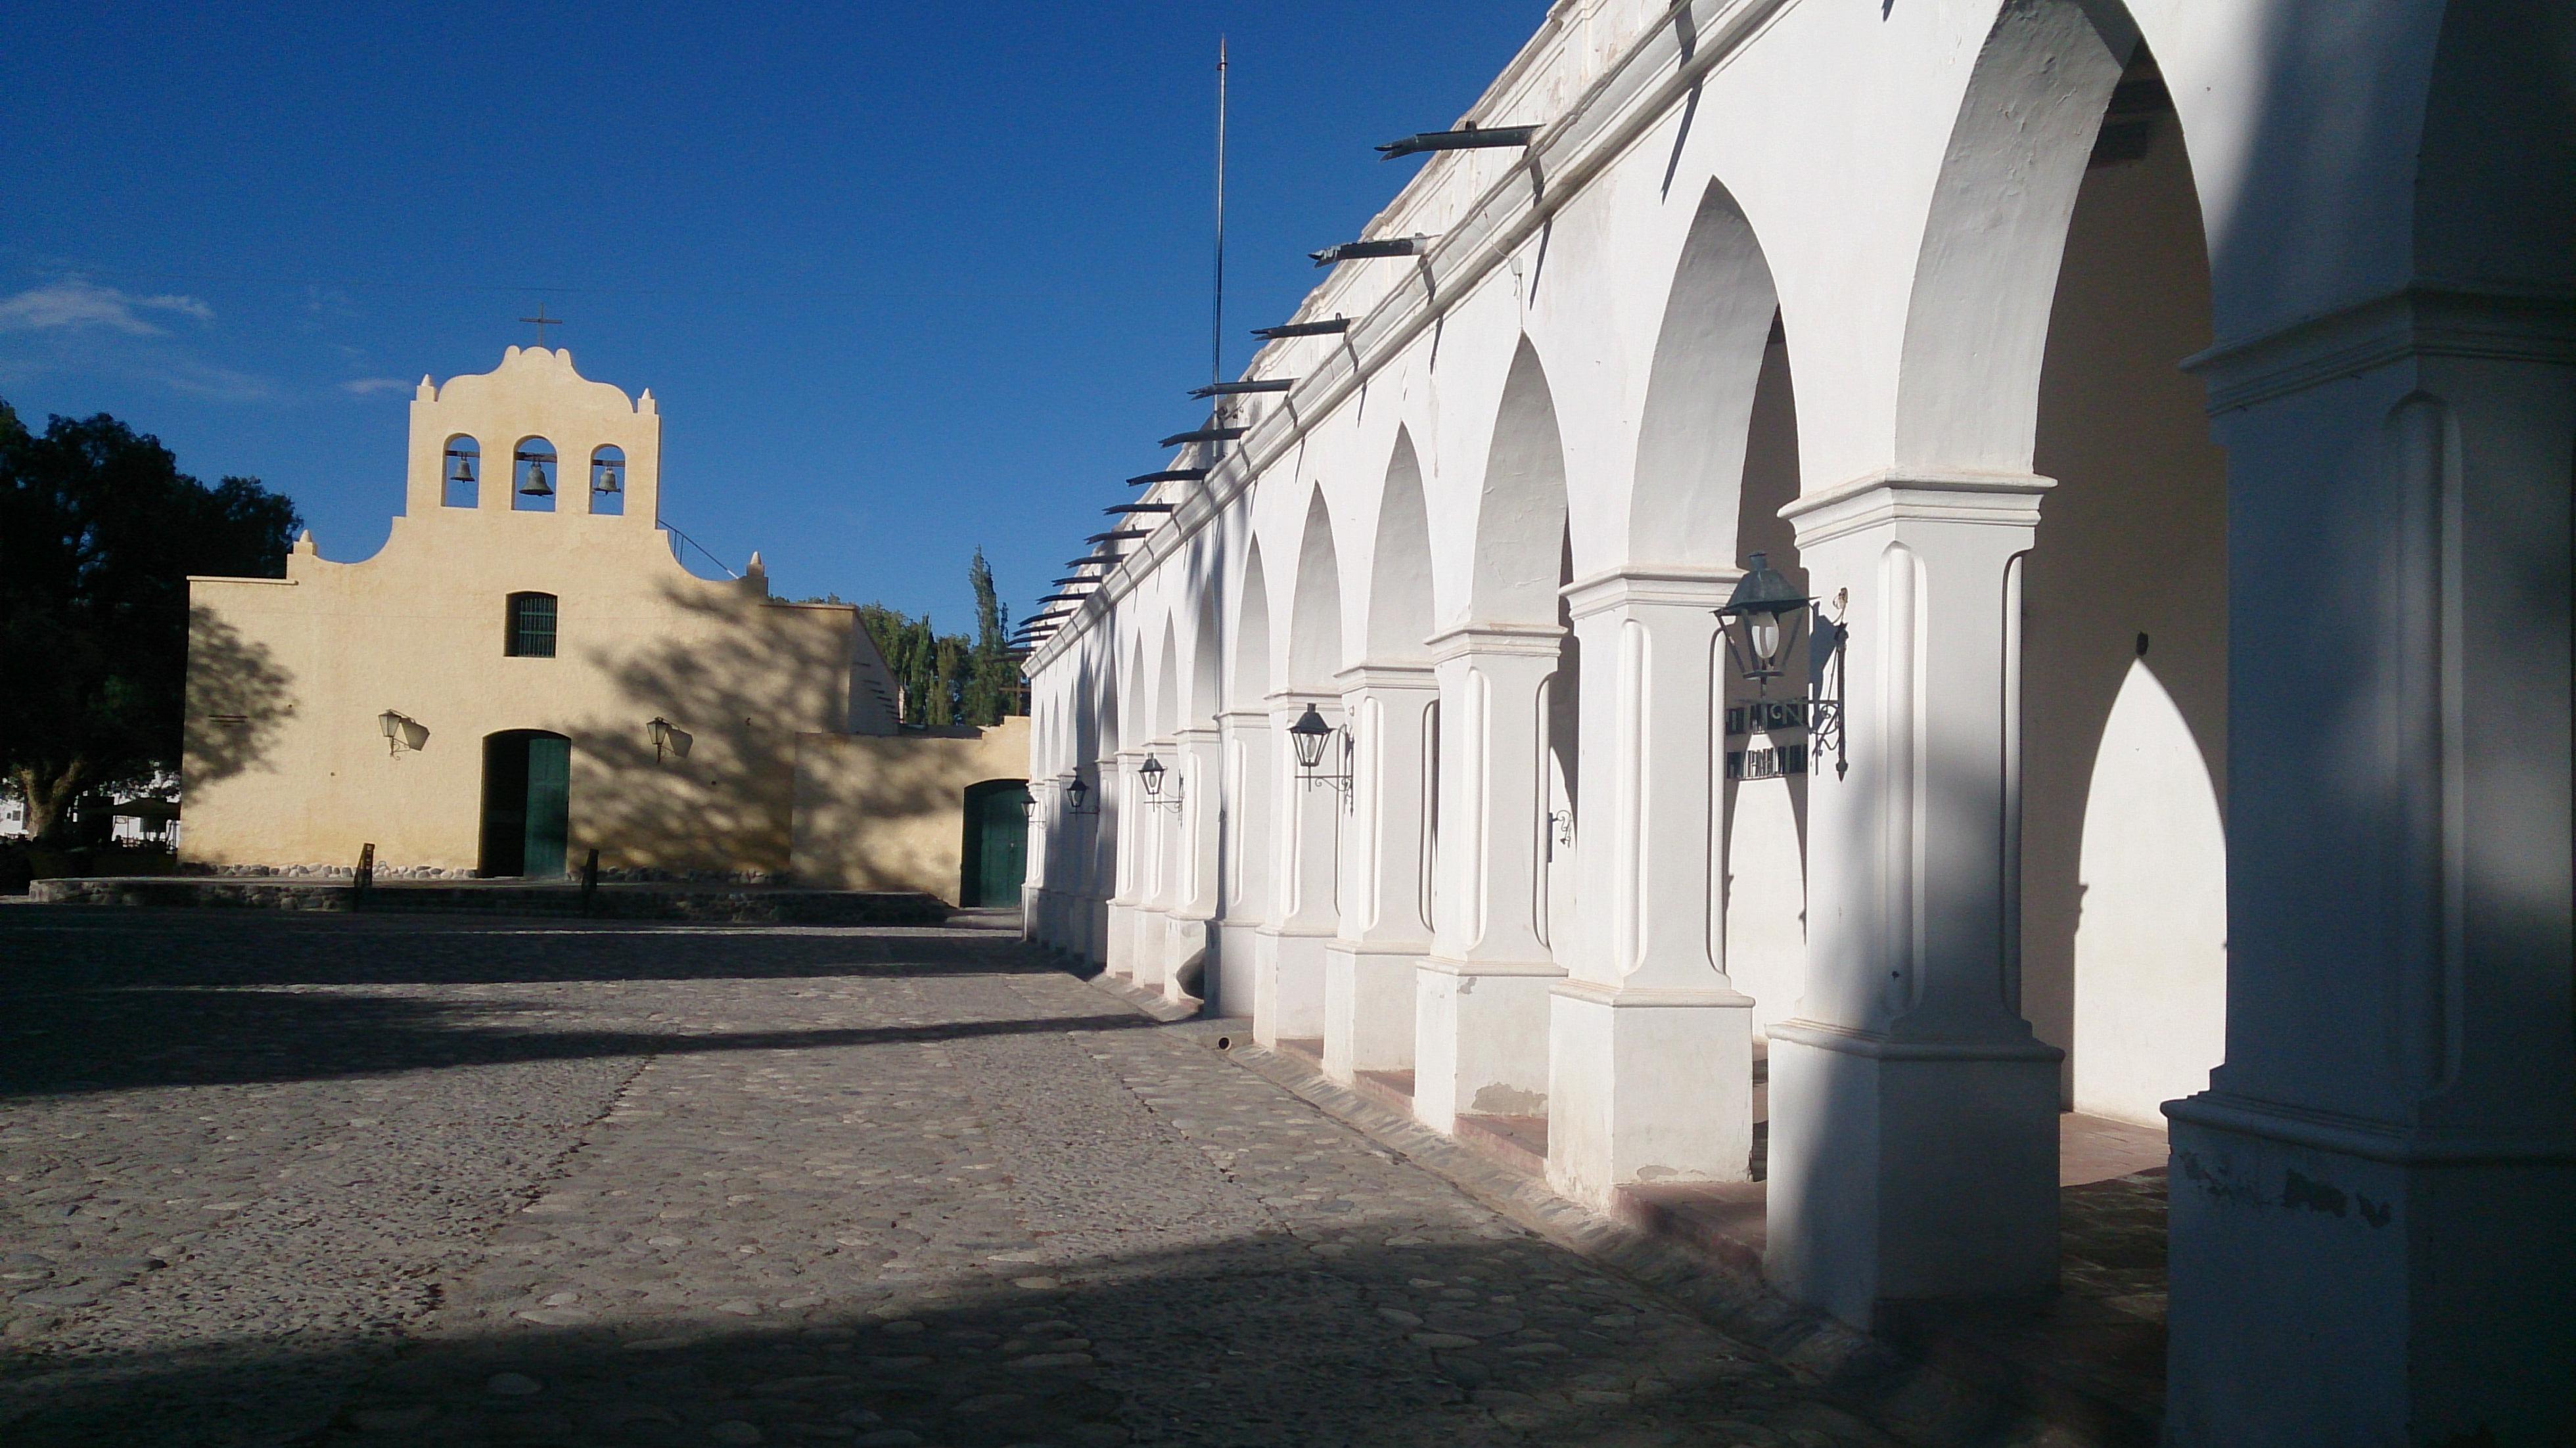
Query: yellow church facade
point(525, 672)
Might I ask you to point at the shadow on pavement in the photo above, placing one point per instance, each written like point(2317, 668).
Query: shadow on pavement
point(1255, 1341)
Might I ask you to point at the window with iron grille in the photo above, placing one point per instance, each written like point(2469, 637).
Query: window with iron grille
point(532, 626)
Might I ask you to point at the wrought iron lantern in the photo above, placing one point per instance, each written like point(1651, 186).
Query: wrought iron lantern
point(1076, 792)
point(1151, 772)
point(1309, 737)
point(1765, 617)
point(401, 732)
point(668, 739)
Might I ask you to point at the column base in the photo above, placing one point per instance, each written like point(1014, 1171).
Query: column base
point(1238, 953)
point(2337, 1282)
point(1188, 957)
point(1091, 932)
point(1480, 1039)
point(1150, 931)
point(1647, 1086)
point(1287, 986)
point(1368, 1007)
point(1905, 1170)
point(1118, 958)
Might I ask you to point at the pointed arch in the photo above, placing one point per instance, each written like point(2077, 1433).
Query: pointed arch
point(1976, 326)
point(1400, 613)
point(1709, 357)
point(1252, 682)
point(1315, 616)
point(1206, 659)
point(1167, 685)
point(1520, 511)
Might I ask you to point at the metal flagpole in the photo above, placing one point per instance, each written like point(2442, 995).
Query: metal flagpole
point(1216, 330)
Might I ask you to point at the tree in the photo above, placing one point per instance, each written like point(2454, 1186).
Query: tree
point(992, 685)
point(946, 679)
point(99, 531)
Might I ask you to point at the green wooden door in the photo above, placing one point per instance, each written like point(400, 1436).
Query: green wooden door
point(549, 804)
point(997, 842)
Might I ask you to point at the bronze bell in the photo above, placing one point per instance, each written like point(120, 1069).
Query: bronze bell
point(537, 487)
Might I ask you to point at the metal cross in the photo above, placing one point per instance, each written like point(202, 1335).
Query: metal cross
point(542, 321)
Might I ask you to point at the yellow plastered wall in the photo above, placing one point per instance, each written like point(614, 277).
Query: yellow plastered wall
point(286, 763)
point(888, 813)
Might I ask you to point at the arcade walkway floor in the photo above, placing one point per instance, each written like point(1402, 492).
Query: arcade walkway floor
point(275, 1179)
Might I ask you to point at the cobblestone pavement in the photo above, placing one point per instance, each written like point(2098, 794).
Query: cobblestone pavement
point(367, 1180)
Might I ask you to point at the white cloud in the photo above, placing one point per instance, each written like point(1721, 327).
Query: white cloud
point(74, 303)
point(370, 386)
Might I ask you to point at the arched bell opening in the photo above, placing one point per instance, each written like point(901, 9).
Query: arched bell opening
point(461, 473)
point(534, 472)
point(607, 493)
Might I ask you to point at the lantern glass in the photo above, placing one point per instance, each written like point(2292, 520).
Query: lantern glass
point(1764, 631)
point(1077, 791)
point(1151, 771)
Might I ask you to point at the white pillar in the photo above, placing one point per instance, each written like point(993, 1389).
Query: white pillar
point(1288, 983)
point(1197, 769)
point(1124, 819)
point(1101, 903)
point(1245, 846)
point(2373, 1232)
point(1481, 996)
point(1157, 869)
point(1650, 1045)
point(1369, 966)
point(1913, 1114)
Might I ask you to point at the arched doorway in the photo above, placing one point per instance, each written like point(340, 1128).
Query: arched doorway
point(997, 842)
point(527, 803)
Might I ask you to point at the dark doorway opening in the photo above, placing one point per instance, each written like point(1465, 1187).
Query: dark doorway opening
point(527, 803)
point(997, 842)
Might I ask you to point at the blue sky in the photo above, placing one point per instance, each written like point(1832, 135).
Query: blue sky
point(907, 278)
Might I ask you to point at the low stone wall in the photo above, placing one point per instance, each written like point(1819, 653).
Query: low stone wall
point(712, 904)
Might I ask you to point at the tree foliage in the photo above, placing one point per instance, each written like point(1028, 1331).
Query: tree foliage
point(947, 678)
point(99, 531)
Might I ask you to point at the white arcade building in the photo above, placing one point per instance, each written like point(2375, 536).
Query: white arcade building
point(2175, 406)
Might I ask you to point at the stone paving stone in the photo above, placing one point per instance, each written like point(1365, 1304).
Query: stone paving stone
point(357, 1181)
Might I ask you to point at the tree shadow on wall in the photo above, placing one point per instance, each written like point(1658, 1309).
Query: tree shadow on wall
point(238, 699)
point(742, 678)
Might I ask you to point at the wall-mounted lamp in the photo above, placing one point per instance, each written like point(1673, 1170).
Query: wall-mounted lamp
point(401, 732)
point(668, 739)
point(1764, 617)
point(1308, 737)
point(1152, 772)
point(1076, 794)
